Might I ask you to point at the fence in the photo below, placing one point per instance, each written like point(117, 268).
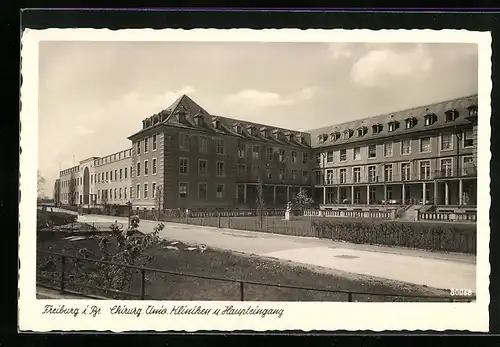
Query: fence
point(63, 281)
point(448, 216)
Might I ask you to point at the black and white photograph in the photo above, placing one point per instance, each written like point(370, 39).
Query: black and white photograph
point(267, 184)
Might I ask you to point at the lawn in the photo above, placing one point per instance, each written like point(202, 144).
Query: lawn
point(225, 265)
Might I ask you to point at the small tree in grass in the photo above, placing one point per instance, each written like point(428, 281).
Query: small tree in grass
point(260, 204)
point(158, 202)
point(302, 200)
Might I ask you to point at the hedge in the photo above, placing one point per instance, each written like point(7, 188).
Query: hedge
point(427, 236)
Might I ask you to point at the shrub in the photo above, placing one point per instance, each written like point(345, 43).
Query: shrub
point(428, 236)
point(57, 218)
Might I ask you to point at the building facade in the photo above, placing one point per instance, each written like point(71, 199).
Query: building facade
point(185, 157)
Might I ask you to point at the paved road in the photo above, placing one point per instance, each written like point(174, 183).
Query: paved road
point(433, 269)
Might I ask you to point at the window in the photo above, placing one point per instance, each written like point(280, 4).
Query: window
point(317, 177)
point(372, 151)
point(219, 191)
point(138, 148)
point(120, 193)
point(98, 179)
point(282, 174)
point(183, 166)
point(347, 134)
point(405, 147)
point(145, 190)
point(239, 129)
point(154, 142)
point(203, 144)
point(125, 172)
point(305, 158)
point(183, 189)
point(99, 194)
point(362, 131)
point(430, 119)
point(269, 173)
point(333, 136)
point(410, 123)
point(329, 176)
point(294, 175)
point(425, 170)
point(241, 150)
point(138, 191)
point(116, 175)
point(184, 142)
point(154, 166)
point(356, 153)
point(138, 173)
point(468, 167)
point(446, 142)
point(131, 191)
point(425, 145)
point(153, 190)
point(255, 151)
point(252, 130)
point(377, 128)
point(393, 125)
point(446, 167)
point(202, 191)
point(221, 169)
point(146, 168)
point(451, 115)
point(242, 171)
point(329, 157)
point(388, 173)
point(405, 172)
point(294, 157)
point(121, 174)
point(356, 175)
point(305, 175)
point(318, 158)
point(343, 175)
point(146, 143)
point(269, 152)
point(468, 139)
point(372, 174)
point(219, 146)
point(255, 171)
point(125, 192)
point(281, 155)
point(472, 110)
point(200, 121)
point(343, 155)
point(388, 149)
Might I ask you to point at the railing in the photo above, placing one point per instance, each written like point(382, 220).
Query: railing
point(350, 214)
point(63, 282)
point(448, 216)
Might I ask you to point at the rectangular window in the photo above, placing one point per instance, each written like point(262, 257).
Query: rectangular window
point(343, 175)
point(138, 147)
point(282, 174)
point(184, 142)
point(405, 172)
point(425, 145)
point(255, 171)
point(388, 149)
point(255, 152)
point(318, 158)
point(219, 146)
point(425, 170)
point(121, 174)
point(138, 173)
point(138, 191)
point(154, 142)
point(356, 175)
point(183, 189)
point(330, 176)
point(146, 144)
point(281, 155)
point(388, 173)
point(125, 173)
point(372, 151)
point(329, 157)
point(468, 167)
point(202, 191)
point(203, 144)
point(294, 175)
point(305, 175)
point(120, 193)
point(220, 191)
point(221, 169)
point(343, 155)
point(356, 154)
point(242, 171)
point(446, 142)
point(202, 167)
point(372, 174)
point(241, 150)
point(405, 147)
point(294, 157)
point(183, 166)
point(317, 176)
point(154, 166)
point(116, 175)
point(145, 190)
point(305, 158)
point(153, 190)
point(269, 173)
point(125, 193)
point(468, 139)
point(146, 168)
point(269, 152)
point(446, 167)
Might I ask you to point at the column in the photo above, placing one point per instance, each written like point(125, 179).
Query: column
point(446, 194)
point(436, 200)
point(338, 195)
point(352, 195)
point(385, 193)
point(287, 193)
point(274, 195)
point(324, 195)
point(245, 193)
point(460, 192)
point(368, 194)
point(403, 194)
point(424, 197)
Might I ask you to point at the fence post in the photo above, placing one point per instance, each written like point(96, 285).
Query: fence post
point(63, 262)
point(218, 219)
point(143, 283)
point(242, 295)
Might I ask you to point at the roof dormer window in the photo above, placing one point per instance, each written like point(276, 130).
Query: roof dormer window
point(451, 115)
point(251, 130)
point(393, 125)
point(377, 128)
point(472, 110)
point(200, 120)
point(217, 124)
point(264, 132)
point(347, 134)
point(334, 136)
point(181, 117)
point(239, 129)
point(362, 131)
point(410, 122)
point(302, 140)
point(430, 118)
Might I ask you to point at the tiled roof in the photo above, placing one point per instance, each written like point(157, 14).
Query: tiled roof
point(439, 109)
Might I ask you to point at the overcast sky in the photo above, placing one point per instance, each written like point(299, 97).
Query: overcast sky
point(92, 95)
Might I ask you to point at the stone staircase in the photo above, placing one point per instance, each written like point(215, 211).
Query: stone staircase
point(409, 214)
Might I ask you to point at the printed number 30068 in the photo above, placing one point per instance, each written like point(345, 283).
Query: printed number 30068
point(460, 292)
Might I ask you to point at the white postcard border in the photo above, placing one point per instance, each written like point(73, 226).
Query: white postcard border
point(296, 315)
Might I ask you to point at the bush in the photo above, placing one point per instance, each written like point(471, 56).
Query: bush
point(427, 236)
point(57, 218)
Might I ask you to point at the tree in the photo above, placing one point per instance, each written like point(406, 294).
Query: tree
point(260, 204)
point(72, 190)
point(158, 201)
point(302, 200)
point(40, 182)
